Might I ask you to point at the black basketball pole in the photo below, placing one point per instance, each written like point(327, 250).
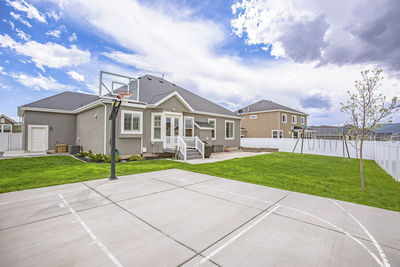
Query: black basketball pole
point(113, 116)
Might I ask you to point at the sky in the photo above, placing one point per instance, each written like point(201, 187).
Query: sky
point(300, 53)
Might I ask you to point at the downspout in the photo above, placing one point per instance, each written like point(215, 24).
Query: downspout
point(105, 128)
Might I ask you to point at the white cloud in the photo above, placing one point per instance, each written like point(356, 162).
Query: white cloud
point(20, 19)
point(40, 82)
point(73, 37)
point(55, 33)
point(76, 76)
point(50, 54)
point(21, 34)
point(30, 10)
point(184, 48)
point(9, 22)
point(54, 15)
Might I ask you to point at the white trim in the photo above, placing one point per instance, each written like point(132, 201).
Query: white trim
point(140, 113)
point(233, 134)
point(278, 134)
point(302, 120)
point(30, 126)
point(215, 128)
point(294, 117)
point(153, 114)
point(275, 110)
point(203, 128)
point(177, 95)
point(216, 115)
point(184, 125)
point(2, 128)
point(284, 114)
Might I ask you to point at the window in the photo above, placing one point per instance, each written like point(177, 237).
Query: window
point(2, 120)
point(294, 119)
point(5, 128)
point(189, 126)
point(302, 120)
point(156, 124)
point(295, 134)
point(229, 130)
point(284, 118)
point(131, 122)
point(276, 133)
point(308, 135)
point(213, 122)
point(253, 117)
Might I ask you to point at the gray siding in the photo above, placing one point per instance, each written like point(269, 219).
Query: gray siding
point(90, 129)
point(62, 127)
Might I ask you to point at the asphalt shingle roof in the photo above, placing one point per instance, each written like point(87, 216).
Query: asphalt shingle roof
point(64, 101)
point(389, 128)
point(266, 105)
point(151, 90)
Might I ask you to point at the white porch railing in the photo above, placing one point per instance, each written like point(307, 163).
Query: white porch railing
point(199, 146)
point(182, 147)
point(170, 141)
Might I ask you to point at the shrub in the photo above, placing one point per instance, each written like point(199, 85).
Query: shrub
point(95, 157)
point(82, 154)
point(107, 158)
point(136, 158)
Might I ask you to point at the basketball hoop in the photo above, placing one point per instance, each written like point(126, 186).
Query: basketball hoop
point(124, 95)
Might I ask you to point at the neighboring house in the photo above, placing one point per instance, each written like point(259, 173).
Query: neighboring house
point(388, 131)
point(329, 132)
point(154, 122)
point(8, 125)
point(267, 119)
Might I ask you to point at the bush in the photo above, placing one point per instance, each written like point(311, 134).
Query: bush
point(95, 157)
point(107, 158)
point(82, 154)
point(136, 158)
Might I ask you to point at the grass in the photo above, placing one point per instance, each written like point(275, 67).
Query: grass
point(311, 174)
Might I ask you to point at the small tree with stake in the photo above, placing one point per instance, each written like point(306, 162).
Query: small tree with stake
point(367, 108)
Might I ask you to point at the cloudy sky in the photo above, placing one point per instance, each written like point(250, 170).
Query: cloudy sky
point(304, 54)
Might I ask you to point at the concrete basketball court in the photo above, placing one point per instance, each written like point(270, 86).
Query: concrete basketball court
point(180, 218)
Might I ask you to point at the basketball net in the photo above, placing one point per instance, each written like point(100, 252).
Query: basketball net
point(124, 96)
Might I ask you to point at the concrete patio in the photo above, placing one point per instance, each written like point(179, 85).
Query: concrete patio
point(180, 218)
point(220, 156)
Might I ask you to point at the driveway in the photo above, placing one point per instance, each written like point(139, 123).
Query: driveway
point(175, 217)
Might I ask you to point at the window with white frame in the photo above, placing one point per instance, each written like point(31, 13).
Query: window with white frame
point(189, 126)
point(284, 118)
point(131, 122)
point(229, 130)
point(294, 119)
point(213, 122)
point(276, 133)
point(253, 117)
point(156, 124)
point(302, 120)
point(2, 120)
point(5, 128)
point(295, 134)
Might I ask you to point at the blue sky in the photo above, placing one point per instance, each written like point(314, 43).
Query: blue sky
point(299, 53)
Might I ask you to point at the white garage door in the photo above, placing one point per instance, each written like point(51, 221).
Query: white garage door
point(38, 138)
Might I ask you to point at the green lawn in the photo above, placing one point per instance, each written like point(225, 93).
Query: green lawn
point(317, 175)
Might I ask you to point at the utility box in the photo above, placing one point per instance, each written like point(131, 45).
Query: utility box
point(74, 149)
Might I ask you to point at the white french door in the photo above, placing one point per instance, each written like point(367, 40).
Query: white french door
point(172, 130)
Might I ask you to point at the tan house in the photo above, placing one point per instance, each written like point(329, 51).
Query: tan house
point(8, 125)
point(267, 119)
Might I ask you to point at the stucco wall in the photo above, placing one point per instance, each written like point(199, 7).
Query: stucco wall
point(62, 127)
point(90, 129)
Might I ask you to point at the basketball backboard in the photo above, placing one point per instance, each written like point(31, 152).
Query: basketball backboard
point(111, 83)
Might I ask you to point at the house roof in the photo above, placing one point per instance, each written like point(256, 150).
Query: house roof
point(266, 105)
point(152, 89)
point(328, 130)
point(64, 101)
point(202, 124)
point(389, 128)
point(8, 118)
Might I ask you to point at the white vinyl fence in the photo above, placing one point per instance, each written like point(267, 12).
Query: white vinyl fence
point(386, 154)
point(10, 141)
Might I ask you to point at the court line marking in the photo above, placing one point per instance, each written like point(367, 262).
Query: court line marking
point(378, 247)
point(309, 214)
point(91, 234)
point(216, 251)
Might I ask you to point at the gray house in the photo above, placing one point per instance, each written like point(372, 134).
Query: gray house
point(161, 118)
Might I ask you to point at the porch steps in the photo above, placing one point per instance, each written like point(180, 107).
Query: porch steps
point(192, 153)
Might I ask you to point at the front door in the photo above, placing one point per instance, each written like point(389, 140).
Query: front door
point(172, 130)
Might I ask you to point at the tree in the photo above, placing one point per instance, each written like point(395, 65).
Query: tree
point(367, 108)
